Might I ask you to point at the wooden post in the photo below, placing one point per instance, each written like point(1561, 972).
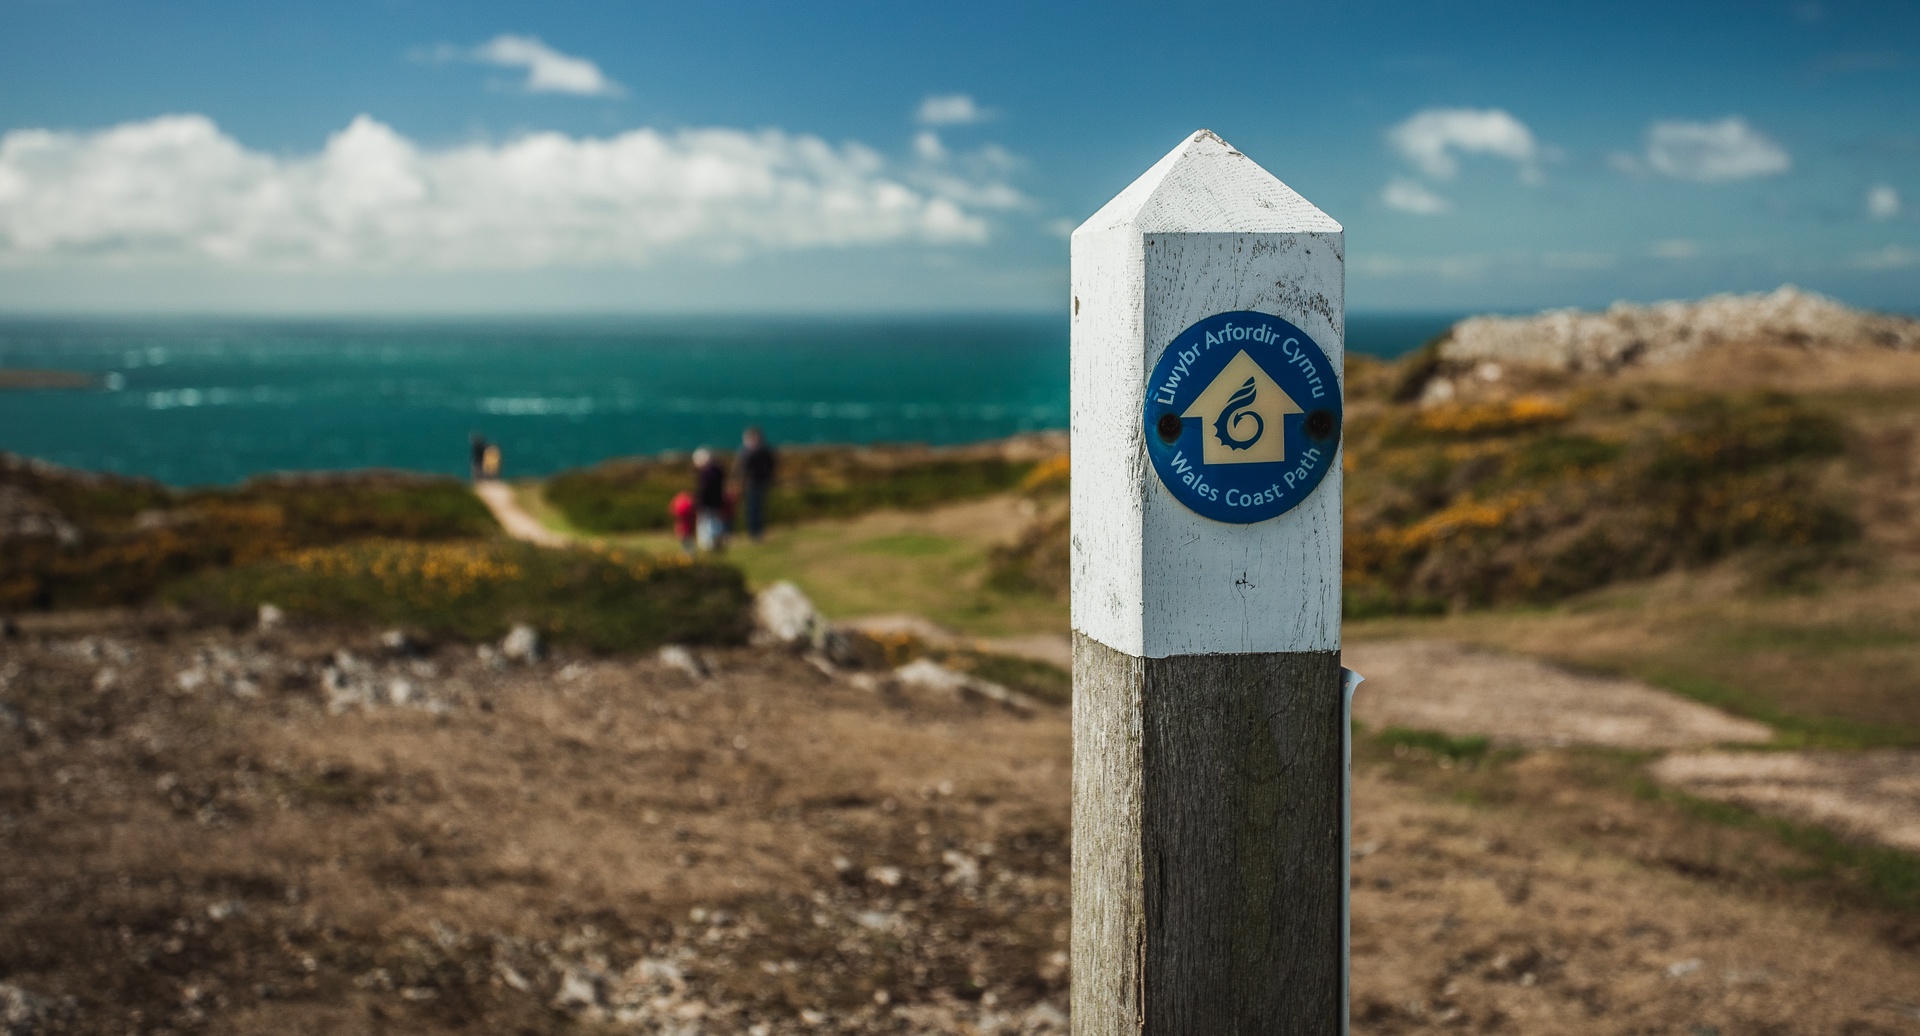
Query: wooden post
point(1209, 722)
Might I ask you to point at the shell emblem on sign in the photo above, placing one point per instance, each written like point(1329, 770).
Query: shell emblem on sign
point(1243, 417)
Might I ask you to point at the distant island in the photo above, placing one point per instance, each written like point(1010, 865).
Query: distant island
point(19, 378)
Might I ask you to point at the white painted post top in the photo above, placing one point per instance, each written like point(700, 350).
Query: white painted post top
point(1205, 231)
point(1205, 186)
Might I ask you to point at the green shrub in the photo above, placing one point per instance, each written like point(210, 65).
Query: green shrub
point(603, 599)
point(619, 496)
point(1721, 436)
point(318, 509)
point(633, 495)
point(135, 536)
point(1038, 561)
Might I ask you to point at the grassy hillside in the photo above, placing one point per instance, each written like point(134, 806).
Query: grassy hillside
point(1540, 491)
point(1535, 498)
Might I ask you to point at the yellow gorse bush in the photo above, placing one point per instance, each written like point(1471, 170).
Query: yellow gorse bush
point(1499, 416)
point(433, 573)
point(1047, 473)
point(1465, 517)
point(424, 571)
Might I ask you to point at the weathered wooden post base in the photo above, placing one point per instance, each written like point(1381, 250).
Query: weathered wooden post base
point(1209, 757)
point(1218, 779)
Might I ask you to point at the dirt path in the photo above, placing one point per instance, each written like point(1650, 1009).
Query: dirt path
point(1870, 795)
point(1523, 702)
point(499, 498)
point(1437, 685)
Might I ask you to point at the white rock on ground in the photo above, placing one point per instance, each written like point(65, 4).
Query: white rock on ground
point(21, 1013)
point(348, 682)
point(784, 613)
point(677, 656)
point(521, 644)
point(926, 674)
point(271, 618)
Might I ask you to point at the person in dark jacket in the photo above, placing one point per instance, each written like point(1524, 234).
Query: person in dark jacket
point(709, 500)
point(755, 465)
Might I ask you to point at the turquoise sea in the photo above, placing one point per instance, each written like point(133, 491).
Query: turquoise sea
point(215, 401)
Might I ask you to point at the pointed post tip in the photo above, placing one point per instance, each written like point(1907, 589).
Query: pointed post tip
point(1207, 184)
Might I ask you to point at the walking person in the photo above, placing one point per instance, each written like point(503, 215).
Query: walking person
point(755, 464)
point(477, 447)
point(709, 501)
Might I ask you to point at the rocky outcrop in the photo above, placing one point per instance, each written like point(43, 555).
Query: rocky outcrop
point(1626, 334)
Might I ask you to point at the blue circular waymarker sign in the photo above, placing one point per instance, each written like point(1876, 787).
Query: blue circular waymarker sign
point(1243, 415)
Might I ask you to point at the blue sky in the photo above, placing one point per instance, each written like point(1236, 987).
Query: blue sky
point(411, 157)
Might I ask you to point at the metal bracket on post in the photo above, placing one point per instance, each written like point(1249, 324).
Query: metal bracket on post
point(1210, 723)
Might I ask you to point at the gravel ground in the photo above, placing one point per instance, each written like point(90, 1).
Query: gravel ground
point(324, 830)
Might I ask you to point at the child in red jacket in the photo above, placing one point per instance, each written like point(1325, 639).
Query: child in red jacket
point(683, 514)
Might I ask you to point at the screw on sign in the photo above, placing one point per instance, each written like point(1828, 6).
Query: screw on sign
point(1210, 710)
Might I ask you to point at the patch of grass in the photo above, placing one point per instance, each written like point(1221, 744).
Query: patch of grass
point(1037, 680)
point(1434, 743)
point(1037, 562)
point(1374, 601)
point(909, 545)
point(953, 586)
point(1791, 729)
point(1556, 454)
point(1815, 639)
point(602, 599)
point(1887, 877)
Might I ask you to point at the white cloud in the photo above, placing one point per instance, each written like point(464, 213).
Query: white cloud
point(951, 110)
point(926, 144)
point(1713, 152)
point(176, 188)
point(548, 70)
point(1883, 202)
point(1892, 257)
point(1433, 139)
point(1675, 248)
point(1412, 196)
